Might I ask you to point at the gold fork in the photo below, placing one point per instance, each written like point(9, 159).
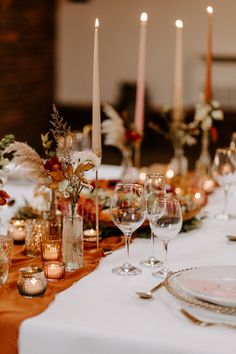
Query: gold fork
point(202, 323)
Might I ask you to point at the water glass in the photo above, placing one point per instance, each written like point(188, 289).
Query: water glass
point(224, 173)
point(128, 213)
point(166, 222)
point(154, 187)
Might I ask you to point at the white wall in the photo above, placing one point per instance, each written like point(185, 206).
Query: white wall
point(118, 40)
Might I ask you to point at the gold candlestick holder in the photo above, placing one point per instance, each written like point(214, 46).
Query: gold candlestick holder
point(99, 154)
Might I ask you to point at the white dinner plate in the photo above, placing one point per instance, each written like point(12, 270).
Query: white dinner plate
point(215, 284)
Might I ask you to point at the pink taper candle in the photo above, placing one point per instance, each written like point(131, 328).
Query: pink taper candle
point(208, 88)
point(96, 110)
point(178, 78)
point(140, 92)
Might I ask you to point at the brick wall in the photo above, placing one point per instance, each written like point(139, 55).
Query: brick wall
point(26, 67)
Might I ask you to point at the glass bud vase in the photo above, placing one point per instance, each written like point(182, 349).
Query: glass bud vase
point(179, 163)
point(128, 172)
point(72, 242)
point(203, 164)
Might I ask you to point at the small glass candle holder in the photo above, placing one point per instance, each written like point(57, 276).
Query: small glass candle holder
point(54, 270)
point(51, 248)
point(32, 281)
point(35, 230)
point(90, 235)
point(6, 245)
point(17, 231)
point(4, 267)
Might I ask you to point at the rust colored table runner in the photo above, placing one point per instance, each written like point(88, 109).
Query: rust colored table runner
point(14, 308)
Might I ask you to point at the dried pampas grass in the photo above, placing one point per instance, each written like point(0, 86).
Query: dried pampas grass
point(29, 160)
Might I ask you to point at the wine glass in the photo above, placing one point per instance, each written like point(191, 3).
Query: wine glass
point(154, 187)
point(166, 222)
point(223, 171)
point(127, 213)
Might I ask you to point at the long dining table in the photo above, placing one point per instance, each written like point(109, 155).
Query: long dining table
point(102, 314)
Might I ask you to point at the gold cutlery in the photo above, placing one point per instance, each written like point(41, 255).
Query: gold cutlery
point(202, 323)
point(231, 237)
point(148, 294)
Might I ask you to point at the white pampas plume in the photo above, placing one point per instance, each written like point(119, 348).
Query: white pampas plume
point(27, 159)
point(113, 128)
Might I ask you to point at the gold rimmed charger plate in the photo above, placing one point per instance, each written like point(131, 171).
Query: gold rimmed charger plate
point(180, 294)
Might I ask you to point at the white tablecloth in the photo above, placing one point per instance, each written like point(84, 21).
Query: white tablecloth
point(101, 313)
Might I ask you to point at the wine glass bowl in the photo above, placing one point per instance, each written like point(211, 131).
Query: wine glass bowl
point(166, 222)
point(128, 212)
point(154, 187)
point(224, 172)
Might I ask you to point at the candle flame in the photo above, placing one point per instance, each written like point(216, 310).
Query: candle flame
point(144, 17)
point(210, 9)
point(179, 24)
point(96, 23)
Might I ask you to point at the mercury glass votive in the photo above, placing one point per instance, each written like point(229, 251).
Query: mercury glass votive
point(54, 270)
point(6, 245)
point(4, 267)
point(17, 230)
point(32, 281)
point(51, 248)
point(35, 230)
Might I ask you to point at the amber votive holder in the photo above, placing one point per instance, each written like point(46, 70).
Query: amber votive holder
point(51, 248)
point(54, 270)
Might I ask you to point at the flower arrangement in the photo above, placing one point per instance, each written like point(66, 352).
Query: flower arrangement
point(4, 143)
point(63, 169)
point(177, 131)
point(119, 132)
point(206, 114)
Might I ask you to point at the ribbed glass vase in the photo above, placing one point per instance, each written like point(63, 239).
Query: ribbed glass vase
point(72, 242)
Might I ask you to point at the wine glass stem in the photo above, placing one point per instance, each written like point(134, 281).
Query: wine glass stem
point(127, 243)
point(152, 244)
point(165, 244)
point(226, 189)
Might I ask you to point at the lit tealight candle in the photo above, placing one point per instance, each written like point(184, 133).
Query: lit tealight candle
point(51, 249)
point(90, 235)
point(32, 281)
point(170, 174)
point(17, 230)
point(54, 270)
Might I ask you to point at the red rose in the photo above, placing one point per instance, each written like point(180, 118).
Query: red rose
point(214, 134)
point(3, 197)
point(53, 164)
